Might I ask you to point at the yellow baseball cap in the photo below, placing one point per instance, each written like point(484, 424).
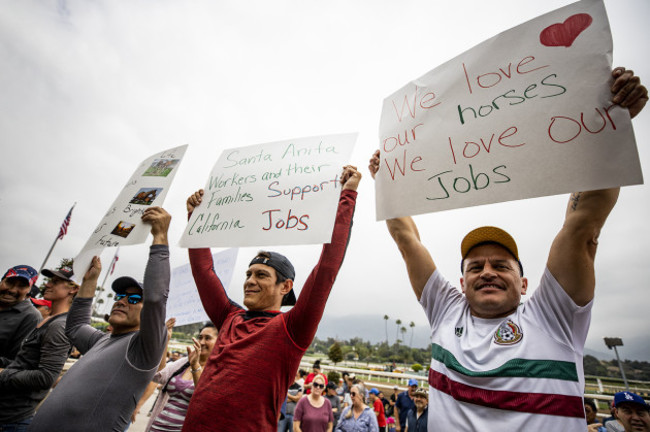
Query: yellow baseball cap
point(489, 234)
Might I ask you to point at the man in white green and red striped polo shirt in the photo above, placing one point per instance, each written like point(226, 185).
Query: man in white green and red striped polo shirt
point(497, 363)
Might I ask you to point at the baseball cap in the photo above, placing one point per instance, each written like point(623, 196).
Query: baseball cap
point(64, 273)
point(331, 385)
point(374, 391)
point(629, 397)
point(22, 271)
point(282, 265)
point(41, 302)
point(421, 392)
point(489, 234)
point(121, 284)
point(413, 382)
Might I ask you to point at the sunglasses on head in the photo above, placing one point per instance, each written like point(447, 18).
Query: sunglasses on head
point(131, 298)
point(353, 393)
point(316, 385)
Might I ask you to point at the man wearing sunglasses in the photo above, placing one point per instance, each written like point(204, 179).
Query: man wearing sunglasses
point(101, 390)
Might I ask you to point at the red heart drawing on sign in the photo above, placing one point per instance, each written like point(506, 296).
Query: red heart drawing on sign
point(565, 33)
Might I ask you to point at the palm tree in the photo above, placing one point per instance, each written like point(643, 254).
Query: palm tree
point(398, 322)
point(403, 330)
point(411, 325)
point(386, 317)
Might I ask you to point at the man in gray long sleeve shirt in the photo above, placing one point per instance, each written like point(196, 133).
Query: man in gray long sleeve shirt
point(100, 391)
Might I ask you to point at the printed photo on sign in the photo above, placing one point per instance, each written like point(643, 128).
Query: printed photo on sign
point(121, 224)
point(161, 167)
point(123, 229)
point(145, 196)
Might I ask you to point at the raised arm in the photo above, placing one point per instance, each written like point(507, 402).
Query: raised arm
point(571, 259)
point(169, 326)
point(302, 321)
point(215, 301)
point(148, 345)
point(77, 326)
point(419, 264)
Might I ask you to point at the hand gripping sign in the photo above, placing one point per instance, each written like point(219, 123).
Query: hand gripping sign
point(524, 114)
point(277, 193)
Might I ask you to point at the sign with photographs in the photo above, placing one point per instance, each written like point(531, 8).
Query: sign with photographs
point(121, 225)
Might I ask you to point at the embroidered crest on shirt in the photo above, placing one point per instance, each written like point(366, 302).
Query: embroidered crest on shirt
point(508, 333)
point(459, 331)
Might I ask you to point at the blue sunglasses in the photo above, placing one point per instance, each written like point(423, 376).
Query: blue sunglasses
point(131, 298)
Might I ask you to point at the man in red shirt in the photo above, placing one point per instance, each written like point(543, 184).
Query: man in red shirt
point(258, 350)
point(378, 406)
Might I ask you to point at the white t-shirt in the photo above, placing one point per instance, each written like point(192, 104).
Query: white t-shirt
point(521, 372)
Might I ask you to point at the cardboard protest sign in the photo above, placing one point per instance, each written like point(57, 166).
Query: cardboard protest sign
point(524, 114)
point(121, 225)
point(184, 302)
point(277, 193)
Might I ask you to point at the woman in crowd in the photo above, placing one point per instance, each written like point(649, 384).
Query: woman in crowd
point(315, 371)
point(314, 412)
point(358, 417)
point(178, 379)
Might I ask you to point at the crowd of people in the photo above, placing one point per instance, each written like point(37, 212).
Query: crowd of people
point(242, 372)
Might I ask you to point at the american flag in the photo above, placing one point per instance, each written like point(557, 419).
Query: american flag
point(115, 259)
point(64, 226)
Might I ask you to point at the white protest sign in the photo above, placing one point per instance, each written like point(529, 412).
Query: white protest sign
point(277, 193)
point(121, 225)
point(524, 114)
point(184, 302)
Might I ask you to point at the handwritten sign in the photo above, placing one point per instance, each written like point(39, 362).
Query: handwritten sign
point(278, 193)
point(184, 302)
point(524, 114)
point(121, 225)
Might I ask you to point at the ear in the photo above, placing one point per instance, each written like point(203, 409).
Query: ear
point(524, 285)
point(462, 284)
point(287, 286)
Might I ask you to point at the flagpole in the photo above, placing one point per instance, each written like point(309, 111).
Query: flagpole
point(48, 255)
point(109, 271)
point(58, 236)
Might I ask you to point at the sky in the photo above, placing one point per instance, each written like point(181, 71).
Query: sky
point(90, 89)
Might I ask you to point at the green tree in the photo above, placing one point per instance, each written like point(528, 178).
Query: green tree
point(333, 376)
point(386, 318)
point(335, 353)
point(403, 331)
point(411, 342)
point(592, 366)
point(66, 263)
point(417, 367)
point(398, 322)
point(362, 351)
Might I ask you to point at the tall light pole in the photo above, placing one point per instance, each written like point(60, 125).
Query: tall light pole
point(613, 343)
